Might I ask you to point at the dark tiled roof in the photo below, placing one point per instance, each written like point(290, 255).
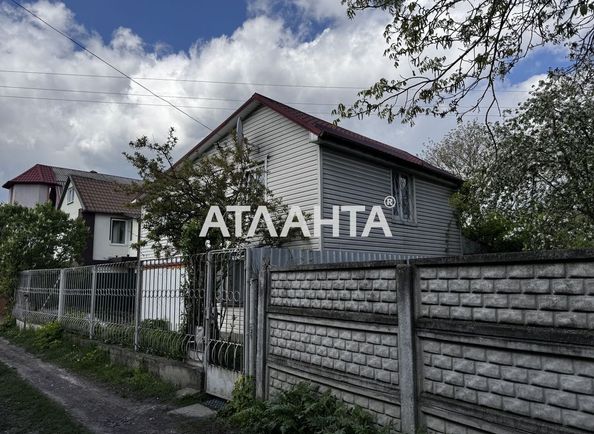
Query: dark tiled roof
point(62, 175)
point(52, 175)
point(104, 196)
point(325, 129)
point(38, 174)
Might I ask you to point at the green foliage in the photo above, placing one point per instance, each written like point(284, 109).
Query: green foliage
point(49, 336)
point(461, 151)
point(40, 237)
point(534, 184)
point(157, 338)
point(50, 343)
point(175, 198)
point(301, 409)
point(446, 52)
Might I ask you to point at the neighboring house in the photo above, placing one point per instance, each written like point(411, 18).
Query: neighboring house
point(310, 162)
point(106, 210)
point(42, 184)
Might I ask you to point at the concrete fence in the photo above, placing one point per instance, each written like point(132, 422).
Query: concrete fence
point(475, 344)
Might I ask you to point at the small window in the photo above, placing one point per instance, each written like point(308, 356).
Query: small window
point(70, 195)
point(403, 193)
point(118, 231)
point(262, 175)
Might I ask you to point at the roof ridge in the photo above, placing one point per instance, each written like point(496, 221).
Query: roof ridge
point(320, 127)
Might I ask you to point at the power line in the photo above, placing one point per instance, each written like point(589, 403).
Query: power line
point(190, 80)
point(98, 92)
point(108, 64)
point(165, 105)
point(50, 89)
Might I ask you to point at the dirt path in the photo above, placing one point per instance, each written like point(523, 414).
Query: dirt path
point(97, 408)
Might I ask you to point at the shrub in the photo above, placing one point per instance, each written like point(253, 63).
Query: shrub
point(49, 336)
point(301, 409)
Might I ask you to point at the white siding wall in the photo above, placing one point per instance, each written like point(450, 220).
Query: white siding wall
point(350, 180)
point(293, 167)
point(29, 195)
point(103, 248)
point(72, 209)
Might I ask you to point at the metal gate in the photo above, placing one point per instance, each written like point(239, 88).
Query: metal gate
point(225, 321)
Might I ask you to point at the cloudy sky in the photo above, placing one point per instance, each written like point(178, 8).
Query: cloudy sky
point(206, 57)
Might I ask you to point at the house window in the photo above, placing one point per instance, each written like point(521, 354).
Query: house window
point(402, 190)
point(118, 231)
point(262, 176)
point(70, 195)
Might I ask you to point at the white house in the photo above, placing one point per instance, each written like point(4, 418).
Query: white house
point(310, 163)
point(106, 210)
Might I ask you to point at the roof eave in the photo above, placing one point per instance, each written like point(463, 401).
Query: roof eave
point(327, 135)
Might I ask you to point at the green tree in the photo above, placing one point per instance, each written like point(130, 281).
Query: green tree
point(34, 238)
point(175, 197)
point(461, 151)
point(535, 186)
point(460, 50)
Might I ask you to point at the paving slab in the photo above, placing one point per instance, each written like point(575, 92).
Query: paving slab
point(197, 411)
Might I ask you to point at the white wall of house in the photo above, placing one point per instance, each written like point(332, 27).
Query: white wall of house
point(29, 195)
point(73, 208)
point(103, 247)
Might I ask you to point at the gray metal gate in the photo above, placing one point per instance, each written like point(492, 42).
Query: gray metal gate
point(225, 321)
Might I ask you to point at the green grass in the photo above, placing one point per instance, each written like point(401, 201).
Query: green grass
point(52, 345)
point(24, 410)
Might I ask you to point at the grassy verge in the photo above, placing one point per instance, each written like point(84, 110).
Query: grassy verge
point(24, 407)
point(50, 344)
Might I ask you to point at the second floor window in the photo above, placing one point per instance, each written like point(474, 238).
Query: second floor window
point(70, 195)
point(403, 193)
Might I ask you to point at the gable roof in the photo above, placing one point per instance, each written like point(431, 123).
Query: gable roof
point(103, 196)
point(324, 130)
point(53, 175)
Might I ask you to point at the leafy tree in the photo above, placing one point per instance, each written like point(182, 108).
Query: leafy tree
point(175, 197)
point(40, 237)
point(484, 41)
point(460, 151)
point(535, 186)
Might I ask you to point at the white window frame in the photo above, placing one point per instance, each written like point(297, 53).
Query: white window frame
point(397, 211)
point(126, 223)
point(70, 195)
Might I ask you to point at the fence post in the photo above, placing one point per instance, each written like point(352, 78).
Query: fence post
point(261, 342)
point(210, 275)
point(93, 297)
point(138, 303)
point(406, 349)
point(61, 290)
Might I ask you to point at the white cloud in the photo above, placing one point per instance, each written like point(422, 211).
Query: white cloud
point(263, 50)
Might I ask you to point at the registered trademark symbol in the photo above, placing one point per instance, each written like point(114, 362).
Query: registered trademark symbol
point(390, 201)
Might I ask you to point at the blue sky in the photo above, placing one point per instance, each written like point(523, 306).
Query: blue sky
point(178, 23)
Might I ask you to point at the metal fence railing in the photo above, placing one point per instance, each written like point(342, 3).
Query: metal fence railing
point(201, 308)
point(151, 306)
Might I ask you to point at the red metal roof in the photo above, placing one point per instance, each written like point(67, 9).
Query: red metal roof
point(38, 174)
point(325, 129)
